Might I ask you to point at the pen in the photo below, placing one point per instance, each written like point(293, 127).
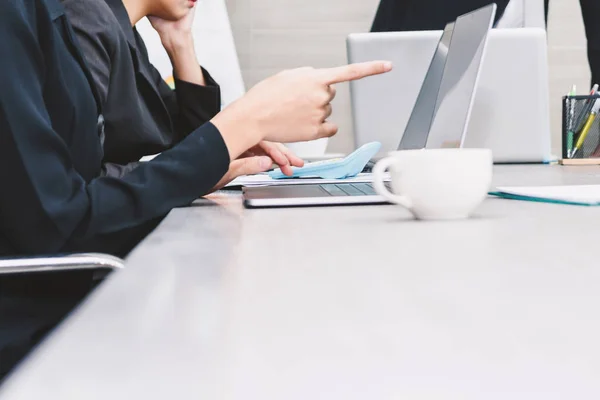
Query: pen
point(571, 120)
point(586, 128)
point(585, 112)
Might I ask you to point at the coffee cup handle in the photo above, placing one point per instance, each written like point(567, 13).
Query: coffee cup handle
point(378, 183)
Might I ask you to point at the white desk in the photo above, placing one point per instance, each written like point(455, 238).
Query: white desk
point(343, 303)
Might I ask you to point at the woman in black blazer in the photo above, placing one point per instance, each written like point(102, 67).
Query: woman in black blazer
point(142, 115)
point(54, 196)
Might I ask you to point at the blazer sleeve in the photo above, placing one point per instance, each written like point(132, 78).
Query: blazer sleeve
point(196, 104)
point(45, 203)
point(189, 105)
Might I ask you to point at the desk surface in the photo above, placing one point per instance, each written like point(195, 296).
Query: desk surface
point(342, 303)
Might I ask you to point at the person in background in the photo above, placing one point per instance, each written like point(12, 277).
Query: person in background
point(425, 15)
point(55, 197)
point(142, 115)
point(590, 10)
point(420, 15)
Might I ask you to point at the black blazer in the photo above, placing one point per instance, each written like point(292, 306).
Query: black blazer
point(53, 197)
point(423, 15)
point(143, 115)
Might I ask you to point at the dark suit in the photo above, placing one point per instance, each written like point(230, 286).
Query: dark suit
point(590, 9)
point(423, 15)
point(419, 15)
point(143, 115)
point(54, 198)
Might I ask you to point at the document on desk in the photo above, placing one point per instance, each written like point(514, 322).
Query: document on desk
point(583, 195)
point(265, 180)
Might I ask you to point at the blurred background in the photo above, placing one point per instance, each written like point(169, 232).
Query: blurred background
point(245, 41)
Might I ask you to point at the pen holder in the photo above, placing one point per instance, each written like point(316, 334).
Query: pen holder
point(581, 130)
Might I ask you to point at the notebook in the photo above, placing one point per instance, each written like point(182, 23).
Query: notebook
point(582, 195)
point(266, 180)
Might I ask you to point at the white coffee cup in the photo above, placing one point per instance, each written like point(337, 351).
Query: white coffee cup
point(438, 183)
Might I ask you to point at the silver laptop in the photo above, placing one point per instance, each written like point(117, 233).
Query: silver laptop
point(510, 112)
point(439, 117)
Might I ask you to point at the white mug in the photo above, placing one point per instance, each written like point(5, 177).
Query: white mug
point(436, 183)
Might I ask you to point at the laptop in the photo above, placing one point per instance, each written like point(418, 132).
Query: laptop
point(510, 112)
point(439, 117)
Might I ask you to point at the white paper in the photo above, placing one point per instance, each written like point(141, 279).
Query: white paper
point(584, 194)
point(265, 180)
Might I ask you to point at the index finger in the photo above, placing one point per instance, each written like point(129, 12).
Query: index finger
point(353, 72)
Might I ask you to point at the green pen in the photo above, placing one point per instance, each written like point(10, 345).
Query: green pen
point(571, 122)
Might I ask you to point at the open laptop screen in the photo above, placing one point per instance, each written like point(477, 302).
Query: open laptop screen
point(460, 77)
point(415, 134)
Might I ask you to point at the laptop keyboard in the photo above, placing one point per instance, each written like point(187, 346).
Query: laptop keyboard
point(350, 189)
